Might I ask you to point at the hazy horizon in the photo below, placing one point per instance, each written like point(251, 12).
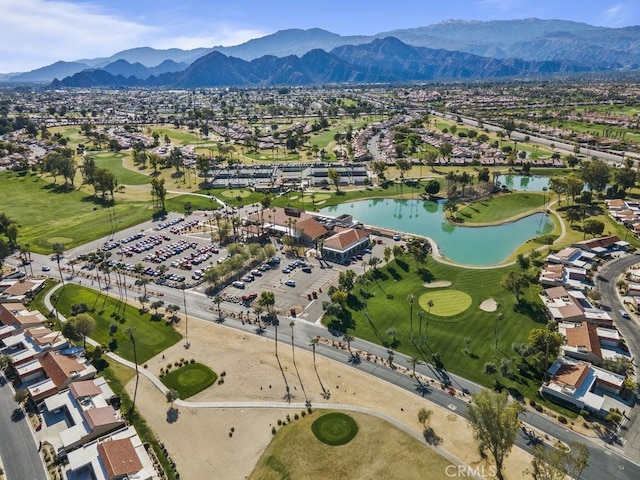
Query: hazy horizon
point(37, 33)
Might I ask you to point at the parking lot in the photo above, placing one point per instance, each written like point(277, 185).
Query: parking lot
point(177, 250)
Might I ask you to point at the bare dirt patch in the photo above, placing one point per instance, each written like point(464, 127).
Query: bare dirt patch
point(252, 374)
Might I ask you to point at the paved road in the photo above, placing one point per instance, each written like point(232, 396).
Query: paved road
point(18, 450)
point(606, 462)
point(606, 283)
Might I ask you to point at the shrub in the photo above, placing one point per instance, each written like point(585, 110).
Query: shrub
point(584, 413)
point(273, 430)
point(532, 403)
point(539, 408)
point(562, 419)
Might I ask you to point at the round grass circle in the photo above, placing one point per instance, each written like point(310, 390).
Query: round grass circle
point(235, 193)
point(446, 302)
point(335, 429)
point(189, 379)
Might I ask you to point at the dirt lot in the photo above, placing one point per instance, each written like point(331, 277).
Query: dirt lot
point(199, 441)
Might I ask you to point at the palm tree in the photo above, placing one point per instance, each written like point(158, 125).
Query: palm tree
point(129, 332)
point(348, 338)
point(218, 300)
point(411, 299)
point(420, 319)
point(183, 287)
point(414, 362)
point(58, 251)
point(429, 304)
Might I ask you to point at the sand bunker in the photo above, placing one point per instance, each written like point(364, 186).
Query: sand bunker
point(489, 305)
point(440, 284)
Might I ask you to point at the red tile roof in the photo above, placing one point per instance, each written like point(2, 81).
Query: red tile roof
point(585, 336)
point(119, 458)
point(342, 240)
point(60, 368)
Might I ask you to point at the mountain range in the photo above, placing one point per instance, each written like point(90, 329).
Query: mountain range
point(574, 46)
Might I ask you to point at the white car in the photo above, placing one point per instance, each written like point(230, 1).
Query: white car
point(624, 313)
point(46, 268)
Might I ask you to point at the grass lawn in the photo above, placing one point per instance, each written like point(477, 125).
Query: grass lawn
point(38, 301)
point(176, 135)
point(228, 196)
point(189, 379)
point(500, 207)
point(151, 336)
point(176, 204)
point(387, 307)
point(335, 428)
point(113, 162)
point(380, 450)
point(46, 213)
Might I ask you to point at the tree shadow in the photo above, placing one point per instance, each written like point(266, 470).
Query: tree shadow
point(396, 276)
point(534, 311)
point(425, 274)
point(17, 415)
point(354, 303)
point(172, 415)
point(431, 437)
point(402, 264)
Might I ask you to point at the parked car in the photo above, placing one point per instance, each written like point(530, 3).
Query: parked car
point(624, 313)
point(238, 284)
point(46, 268)
point(290, 283)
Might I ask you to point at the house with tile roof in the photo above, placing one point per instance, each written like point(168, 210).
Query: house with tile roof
point(565, 305)
point(20, 316)
point(60, 370)
point(27, 345)
point(88, 413)
point(120, 455)
point(581, 386)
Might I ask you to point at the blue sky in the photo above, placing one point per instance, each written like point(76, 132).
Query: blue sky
point(35, 33)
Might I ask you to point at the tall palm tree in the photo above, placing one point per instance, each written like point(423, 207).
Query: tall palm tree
point(183, 287)
point(411, 299)
point(348, 338)
point(420, 320)
point(429, 304)
point(58, 251)
point(414, 362)
point(129, 332)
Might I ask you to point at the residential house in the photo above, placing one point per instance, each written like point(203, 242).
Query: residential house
point(88, 413)
point(582, 386)
point(573, 306)
point(60, 371)
point(120, 455)
point(574, 257)
point(21, 317)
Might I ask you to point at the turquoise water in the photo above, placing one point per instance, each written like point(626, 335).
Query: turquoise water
point(521, 182)
point(465, 245)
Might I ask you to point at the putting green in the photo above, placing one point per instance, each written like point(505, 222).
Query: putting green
point(446, 302)
point(235, 193)
point(335, 428)
point(53, 240)
point(318, 197)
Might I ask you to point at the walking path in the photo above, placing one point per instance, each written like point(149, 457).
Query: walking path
point(261, 404)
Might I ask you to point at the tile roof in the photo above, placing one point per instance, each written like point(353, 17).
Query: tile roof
point(96, 417)
point(572, 374)
point(85, 388)
point(311, 228)
point(119, 458)
point(342, 240)
point(585, 336)
point(60, 368)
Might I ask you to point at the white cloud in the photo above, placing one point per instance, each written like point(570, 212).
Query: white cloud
point(614, 15)
point(220, 35)
point(37, 32)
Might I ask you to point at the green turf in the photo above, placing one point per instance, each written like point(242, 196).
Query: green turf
point(151, 336)
point(335, 428)
point(189, 379)
point(46, 212)
point(385, 298)
point(113, 162)
point(446, 302)
point(176, 204)
point(177, 136)
point(235, 192)
point(497, 208)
